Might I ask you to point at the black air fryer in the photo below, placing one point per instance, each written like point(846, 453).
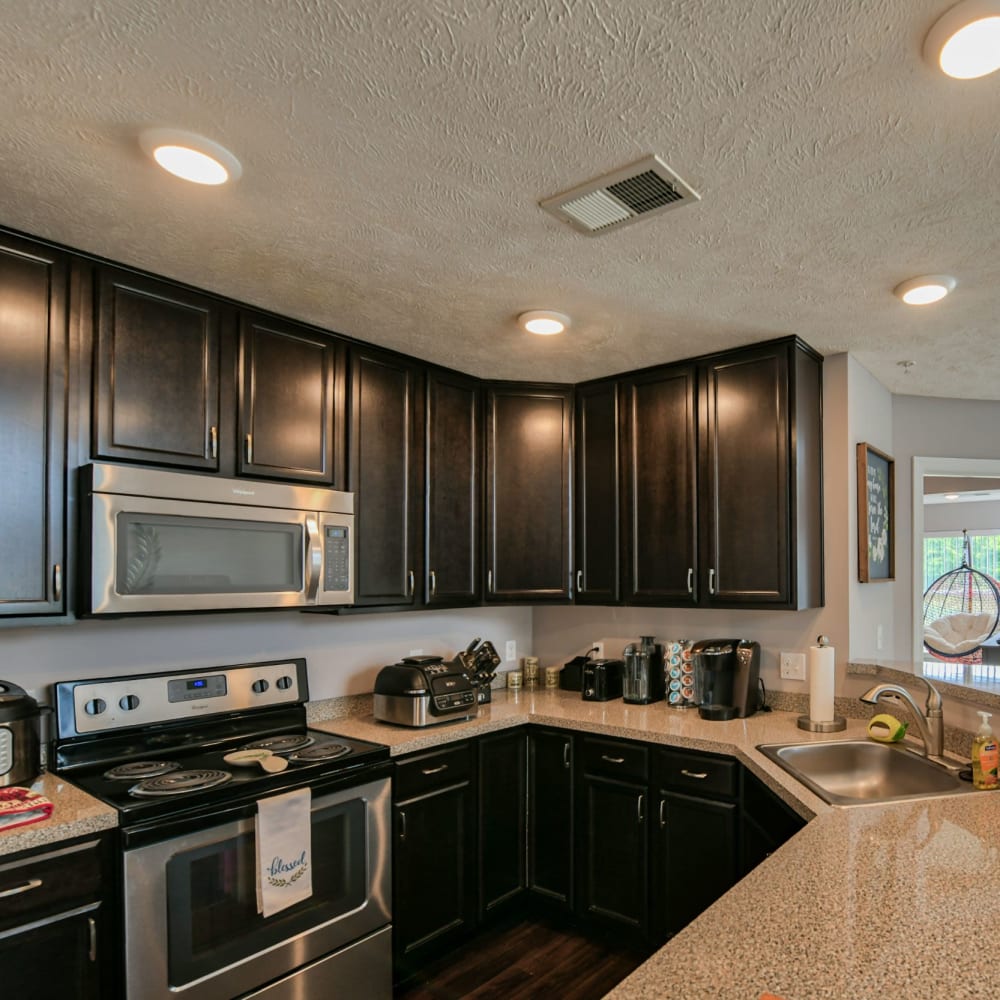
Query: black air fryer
point(726, 673)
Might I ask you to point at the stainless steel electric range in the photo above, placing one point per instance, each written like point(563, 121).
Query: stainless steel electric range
point(154, 747)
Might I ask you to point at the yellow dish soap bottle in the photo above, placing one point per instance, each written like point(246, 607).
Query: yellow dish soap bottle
point(985, 756)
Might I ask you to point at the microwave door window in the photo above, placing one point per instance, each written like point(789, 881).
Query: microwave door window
point(175, 554)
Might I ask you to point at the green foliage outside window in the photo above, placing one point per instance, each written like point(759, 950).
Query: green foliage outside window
point(943, 553)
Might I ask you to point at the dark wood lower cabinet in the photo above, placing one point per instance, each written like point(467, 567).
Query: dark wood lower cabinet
point(696, 857)
point(55, 937)
point(766, 822)
point(502, 815)
point(434, 854)
point(551, 796)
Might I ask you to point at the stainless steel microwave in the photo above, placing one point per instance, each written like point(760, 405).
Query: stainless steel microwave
point(167, 541)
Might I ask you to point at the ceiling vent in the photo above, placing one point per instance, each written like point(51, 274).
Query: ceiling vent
point(635, 192)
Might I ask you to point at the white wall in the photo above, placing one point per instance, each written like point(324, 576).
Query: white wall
point(564, 631)
point(343, 653)
point(939, 428)
point(953, 518)
point(872, 605)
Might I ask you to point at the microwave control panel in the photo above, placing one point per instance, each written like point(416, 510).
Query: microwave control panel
point(337, 558)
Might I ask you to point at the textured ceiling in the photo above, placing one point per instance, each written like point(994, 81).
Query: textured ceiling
point(394, 155)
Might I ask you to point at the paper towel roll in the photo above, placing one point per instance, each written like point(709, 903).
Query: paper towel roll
point(822, 675)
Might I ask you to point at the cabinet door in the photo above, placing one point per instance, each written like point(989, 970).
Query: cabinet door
point(767, 822)
point(434, 873)
point(550, 816)
point(528, 457)
point(597, 494)
point(453, 490)
point(745, 484)
point(291, 402)
point(615, 852)
point(696, 859)
point(386, 476)
point(33, 346)
point(157, 372)
point(502, 817)
point(661, 487)
point(57, 956)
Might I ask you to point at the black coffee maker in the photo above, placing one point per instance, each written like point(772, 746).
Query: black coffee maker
point(726, 675)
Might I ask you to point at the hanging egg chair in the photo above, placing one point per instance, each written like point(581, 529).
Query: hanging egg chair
point(961, 610)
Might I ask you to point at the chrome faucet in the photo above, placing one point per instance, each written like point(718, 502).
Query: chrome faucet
point(930, 725)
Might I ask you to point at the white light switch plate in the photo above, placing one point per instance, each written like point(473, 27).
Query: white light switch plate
point(793, 666)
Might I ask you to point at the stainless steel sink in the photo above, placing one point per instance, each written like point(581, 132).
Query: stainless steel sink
point(853, 772)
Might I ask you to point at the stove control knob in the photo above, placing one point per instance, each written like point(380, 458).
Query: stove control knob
point(284, 683)
point(259, 686)
point(129, 702)
point(95, 706)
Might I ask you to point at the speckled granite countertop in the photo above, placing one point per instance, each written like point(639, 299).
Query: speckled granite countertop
point(862, 903)
point(75, 814)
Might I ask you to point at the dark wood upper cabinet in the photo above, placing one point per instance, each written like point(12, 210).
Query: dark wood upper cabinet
point(291, 422)
point(528, 463)
point(598, 483)
point(33, 362)
point(761, 478)
point(386, 475)
point(156, 372)
point(659, 431)
point(453, 489)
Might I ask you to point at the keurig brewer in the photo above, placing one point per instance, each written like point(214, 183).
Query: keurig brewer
point(726, 673)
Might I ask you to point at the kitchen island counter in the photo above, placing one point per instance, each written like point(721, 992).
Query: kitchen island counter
point(862, 900)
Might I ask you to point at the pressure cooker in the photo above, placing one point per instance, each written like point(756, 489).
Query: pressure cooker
point(20, 746)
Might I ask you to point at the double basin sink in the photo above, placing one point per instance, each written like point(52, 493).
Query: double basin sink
point(856, 772)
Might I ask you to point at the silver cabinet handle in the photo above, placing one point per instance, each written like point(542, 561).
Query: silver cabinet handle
point(410, 583)
point(613, 760)
point(434, 583)
point(711, 581)
point(57, 582)
point(640, 814)
point(579, 581)
point(32, 883)
point(489, 581)
point(402, 825)
point(663, 814)
point(213, 437)
point(249, 449)
point(314, 559)
point(700, 775)
point(92, 925)
point(566, 754)
point(434, 770)
point(690, 579)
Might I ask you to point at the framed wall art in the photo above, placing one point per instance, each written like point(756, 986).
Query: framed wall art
point(876, 515)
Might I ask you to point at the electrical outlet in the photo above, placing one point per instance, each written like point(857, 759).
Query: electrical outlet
point(510, 652)
point(598, 648)
point(793, 666)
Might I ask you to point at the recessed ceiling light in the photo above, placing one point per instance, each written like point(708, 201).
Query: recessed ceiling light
point(543, 321)
point(191, 157)
point(965, 41)
point(925, 289)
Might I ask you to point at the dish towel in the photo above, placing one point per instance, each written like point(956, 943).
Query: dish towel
point(284, 851)
point(20, 806)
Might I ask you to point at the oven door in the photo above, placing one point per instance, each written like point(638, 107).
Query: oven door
point(151, 554)
point(192, 928)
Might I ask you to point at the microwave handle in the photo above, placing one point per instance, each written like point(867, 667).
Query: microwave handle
point(314, 557)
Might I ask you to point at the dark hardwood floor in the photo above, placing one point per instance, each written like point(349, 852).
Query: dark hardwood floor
point(529, 958)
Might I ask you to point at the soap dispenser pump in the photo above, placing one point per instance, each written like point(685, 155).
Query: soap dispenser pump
point(985, 756)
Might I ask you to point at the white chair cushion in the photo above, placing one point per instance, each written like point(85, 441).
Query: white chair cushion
point(958, 633)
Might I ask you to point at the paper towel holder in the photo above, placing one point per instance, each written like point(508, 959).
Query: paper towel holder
point(835, 725)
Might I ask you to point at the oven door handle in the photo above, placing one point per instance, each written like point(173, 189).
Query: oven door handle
point(314, 558)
